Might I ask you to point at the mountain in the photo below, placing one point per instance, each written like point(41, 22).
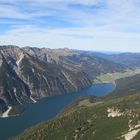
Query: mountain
point(28, 74)
point(25, 78)
point(127, 86)
point(88, 119)
point(94, 65)
point(73, 59)
point(129, 59)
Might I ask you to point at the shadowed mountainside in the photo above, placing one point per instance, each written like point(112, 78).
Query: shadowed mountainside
point(127, 86)
point(28, 74)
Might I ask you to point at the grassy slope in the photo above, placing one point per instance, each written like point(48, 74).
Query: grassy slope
point(127, 86)
point(88, 120)
point(111, 77)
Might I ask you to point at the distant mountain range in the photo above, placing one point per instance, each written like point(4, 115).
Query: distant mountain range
point(28, 74)
point(129, 59)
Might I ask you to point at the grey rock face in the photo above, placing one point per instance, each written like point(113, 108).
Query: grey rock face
point(33, 73)
point(28, 73)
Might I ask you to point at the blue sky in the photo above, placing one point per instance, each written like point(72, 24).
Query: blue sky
point(109, 25)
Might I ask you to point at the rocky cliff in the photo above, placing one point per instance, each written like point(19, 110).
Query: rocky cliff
point(26, 77)
point(28, 74)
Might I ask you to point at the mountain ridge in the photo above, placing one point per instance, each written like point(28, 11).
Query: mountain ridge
point(30, 73)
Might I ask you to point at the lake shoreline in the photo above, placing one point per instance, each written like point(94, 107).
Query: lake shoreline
point(47, 109)
point(36, 101)
point(6, 113)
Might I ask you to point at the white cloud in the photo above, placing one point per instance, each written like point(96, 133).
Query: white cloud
point(90, 24)
point(11, 12)
point(78, 38)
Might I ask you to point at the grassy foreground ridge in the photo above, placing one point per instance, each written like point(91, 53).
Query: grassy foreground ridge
point(110, 119)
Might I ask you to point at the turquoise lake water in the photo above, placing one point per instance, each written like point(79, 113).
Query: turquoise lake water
point(46, 109)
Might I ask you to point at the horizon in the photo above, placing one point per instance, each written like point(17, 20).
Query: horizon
point(92, 25)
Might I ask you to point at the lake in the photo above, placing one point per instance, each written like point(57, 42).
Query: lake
point(46, 109)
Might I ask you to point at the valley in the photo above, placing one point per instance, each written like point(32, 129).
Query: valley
point(47, 109)
point(29, 74)
point(40, 84)
point(69, 70)
point(111, 77)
